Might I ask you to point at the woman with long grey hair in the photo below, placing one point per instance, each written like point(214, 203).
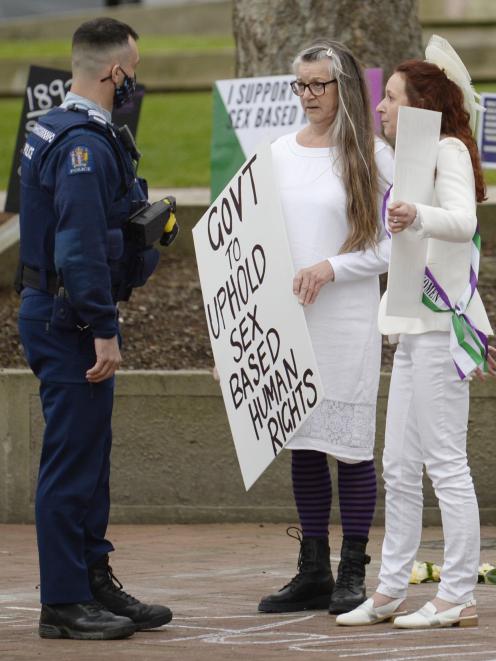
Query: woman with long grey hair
point(332, 174)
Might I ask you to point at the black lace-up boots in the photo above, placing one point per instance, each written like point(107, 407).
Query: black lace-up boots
point(84, 621)
point(349, 591)
point(108, 591)
point(312, 586)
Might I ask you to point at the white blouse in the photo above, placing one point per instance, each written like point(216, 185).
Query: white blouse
point(448, 225)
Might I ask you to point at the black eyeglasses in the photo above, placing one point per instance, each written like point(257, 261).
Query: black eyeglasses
point(317, 89)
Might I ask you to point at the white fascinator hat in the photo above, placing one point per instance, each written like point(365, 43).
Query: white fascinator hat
point(442, 54)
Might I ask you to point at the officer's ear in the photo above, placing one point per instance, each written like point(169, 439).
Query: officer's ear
point(116, 74)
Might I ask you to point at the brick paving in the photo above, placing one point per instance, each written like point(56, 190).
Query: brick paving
point(212, 576)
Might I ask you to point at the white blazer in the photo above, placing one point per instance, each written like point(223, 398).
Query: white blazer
point(448, 225)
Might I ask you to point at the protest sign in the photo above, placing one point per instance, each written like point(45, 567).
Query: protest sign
point(260, 341)
point(45, 89)
point(375, 84)
point(486, 137)
point(415, 157)
point(250, 111)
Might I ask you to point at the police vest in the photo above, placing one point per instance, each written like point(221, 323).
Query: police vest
point(38, 220)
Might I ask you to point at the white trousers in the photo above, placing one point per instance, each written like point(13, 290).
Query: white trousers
point(426, 424)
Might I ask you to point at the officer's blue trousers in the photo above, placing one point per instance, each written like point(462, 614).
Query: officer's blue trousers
point(72, 497)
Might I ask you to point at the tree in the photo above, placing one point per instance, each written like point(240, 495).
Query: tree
point(268, 33)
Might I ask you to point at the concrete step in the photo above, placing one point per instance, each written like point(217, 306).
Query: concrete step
point(173, 459)
point(193, 17)
point(476, 45)
point(444, 12)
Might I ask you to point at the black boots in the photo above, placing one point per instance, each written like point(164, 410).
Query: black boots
point(311, 588)
point(108, 591)
point(84, 621)
point(349, 591)
point(113, 613)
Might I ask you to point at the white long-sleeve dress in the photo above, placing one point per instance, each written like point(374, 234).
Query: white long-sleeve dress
point(343, 320)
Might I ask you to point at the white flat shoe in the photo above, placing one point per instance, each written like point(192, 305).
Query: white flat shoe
point(427, 617)
point(367, 613)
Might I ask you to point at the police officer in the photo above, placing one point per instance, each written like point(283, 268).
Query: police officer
point(78, 188)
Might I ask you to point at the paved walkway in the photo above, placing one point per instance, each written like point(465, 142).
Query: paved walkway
point(212, 576)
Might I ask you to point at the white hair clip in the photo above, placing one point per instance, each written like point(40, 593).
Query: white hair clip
point(329, 52)
point(439, 52)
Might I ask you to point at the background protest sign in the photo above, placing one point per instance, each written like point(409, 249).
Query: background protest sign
point(250, 111)
point(46, 88)
point(257, 328)
point(415, 157)
point(487, 131)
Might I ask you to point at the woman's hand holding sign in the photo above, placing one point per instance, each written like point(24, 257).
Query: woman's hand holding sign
point(308, 282)
point(400, 216)
point(491, 366)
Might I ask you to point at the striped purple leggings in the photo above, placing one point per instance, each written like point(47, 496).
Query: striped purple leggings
point(313, 494)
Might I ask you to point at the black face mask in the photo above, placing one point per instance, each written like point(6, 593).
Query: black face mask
point(125, 92)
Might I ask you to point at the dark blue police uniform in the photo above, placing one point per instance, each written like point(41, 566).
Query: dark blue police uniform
point(78, 188)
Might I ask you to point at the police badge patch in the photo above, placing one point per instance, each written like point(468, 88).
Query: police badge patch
point(80, 160)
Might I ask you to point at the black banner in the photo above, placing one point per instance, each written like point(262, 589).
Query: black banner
point(46, 88)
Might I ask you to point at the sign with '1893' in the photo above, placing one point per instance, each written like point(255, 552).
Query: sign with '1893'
point(45, 89)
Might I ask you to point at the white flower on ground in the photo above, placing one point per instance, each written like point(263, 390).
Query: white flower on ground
point(485, 567)
point(419, 572)
point(487, 574)
point(436, 573)
point(423, 572)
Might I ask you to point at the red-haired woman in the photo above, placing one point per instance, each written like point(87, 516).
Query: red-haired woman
point(429, 394)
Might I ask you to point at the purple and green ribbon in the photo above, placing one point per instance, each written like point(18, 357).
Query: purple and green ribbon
point(468, 345)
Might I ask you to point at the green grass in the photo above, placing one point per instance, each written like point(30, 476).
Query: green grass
point(490, 177)
point(173, 136)
point(148, 44)
point(10, 110)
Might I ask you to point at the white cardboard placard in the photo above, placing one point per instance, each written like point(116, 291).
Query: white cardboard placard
point(260, 342)
point(417, 140)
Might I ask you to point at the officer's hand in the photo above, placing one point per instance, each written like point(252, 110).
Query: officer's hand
point(108, 359)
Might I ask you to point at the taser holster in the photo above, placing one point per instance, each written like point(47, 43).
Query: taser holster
point(156, 222)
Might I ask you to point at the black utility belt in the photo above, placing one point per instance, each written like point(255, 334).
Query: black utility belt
point(64, 316)
point(44, 281)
